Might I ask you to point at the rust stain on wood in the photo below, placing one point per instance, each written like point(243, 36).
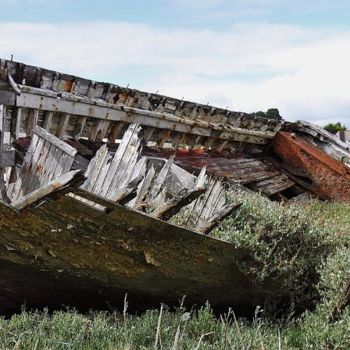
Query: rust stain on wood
point(328, 178)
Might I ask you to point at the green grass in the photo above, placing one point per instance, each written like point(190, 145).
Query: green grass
point(305, 247)
point(161, 329)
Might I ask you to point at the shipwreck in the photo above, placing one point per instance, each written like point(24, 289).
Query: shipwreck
point(92, 176)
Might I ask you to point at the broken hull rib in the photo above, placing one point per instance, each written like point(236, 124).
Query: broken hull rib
point(65, 252)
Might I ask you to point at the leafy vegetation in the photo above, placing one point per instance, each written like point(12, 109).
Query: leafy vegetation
point(286, 243)
point(298, 245)
point(333, 128)
point(272, 113)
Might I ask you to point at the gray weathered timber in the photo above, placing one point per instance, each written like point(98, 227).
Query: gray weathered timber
point(172, 207)
point(47, 159)
point(63, 146)
point(210, 208)
point(162, 190)
point(44, 190)
point(3, 195)
point(61, 83)
point(142, 190)
point(72, 249)
point(7, 158)
point(100, 110)
point(13, 85)
point(111, 177)
point(32, 121)
point(34, 98)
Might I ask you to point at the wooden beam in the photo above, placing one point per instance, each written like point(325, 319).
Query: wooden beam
point(3, 194)
point(170, 209)
point(32, 121)
point(84, 106)
point(18, 122)
point(218, 218)
point(45, 190)
point(48, 121)
point(58, 143)
point(79, 127)
point(62, 126)
point(13, 84)
point(100, 131)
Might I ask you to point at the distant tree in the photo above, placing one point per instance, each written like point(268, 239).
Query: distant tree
point(273, 113)
point(333, 128)
point(260, 114)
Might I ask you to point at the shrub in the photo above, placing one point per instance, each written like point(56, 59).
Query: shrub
point(285, 244)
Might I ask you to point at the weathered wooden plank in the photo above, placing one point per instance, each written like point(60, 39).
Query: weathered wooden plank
point(22, 179)
point(128, 151)
point(108, 254)
point(40, 166)
point(56, 155)
point(63, 124)
point(94, 167)
point(100, 130)
point(274, 185)
point(55, 141)
point(45, 190)
point(158, 182)
point(31, 178)
point(3, 194)
point(79, 127)
point(179, 179)
point(82, 106)
point(201, 179)
point(18, 122)
point(32, 121)
point(218, 218)
point(43, 162)
point(48, 121)
point(143, 189)
point(7, 158)
point(116, 130)
point(210, 208)
point(171, 208)
point(13, 84)
point(129, 178)
point(103, 172)
point(64, 164)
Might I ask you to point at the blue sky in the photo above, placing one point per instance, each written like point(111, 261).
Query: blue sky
point(191, 14)
point(242, 54)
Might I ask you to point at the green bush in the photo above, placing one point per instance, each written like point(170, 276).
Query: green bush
point(285, 244)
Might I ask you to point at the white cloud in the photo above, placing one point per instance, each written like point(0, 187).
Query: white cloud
point(251, 66)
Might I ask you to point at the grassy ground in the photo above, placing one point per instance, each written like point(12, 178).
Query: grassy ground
point(305, 247)
point(160, 329)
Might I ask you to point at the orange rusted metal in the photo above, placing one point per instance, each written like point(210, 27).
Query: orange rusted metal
point(326, 176)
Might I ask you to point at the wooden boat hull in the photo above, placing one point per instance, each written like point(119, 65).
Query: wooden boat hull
point(65, 252)
point(314, 169)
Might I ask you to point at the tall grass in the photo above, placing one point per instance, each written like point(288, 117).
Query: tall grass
point(163, 329)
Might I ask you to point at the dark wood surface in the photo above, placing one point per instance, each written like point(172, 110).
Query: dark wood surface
point(65, 252)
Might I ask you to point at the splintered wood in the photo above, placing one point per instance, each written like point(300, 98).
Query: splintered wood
point(155, 186)
point(116, 177)
point(47, 159)
point(3, 195)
